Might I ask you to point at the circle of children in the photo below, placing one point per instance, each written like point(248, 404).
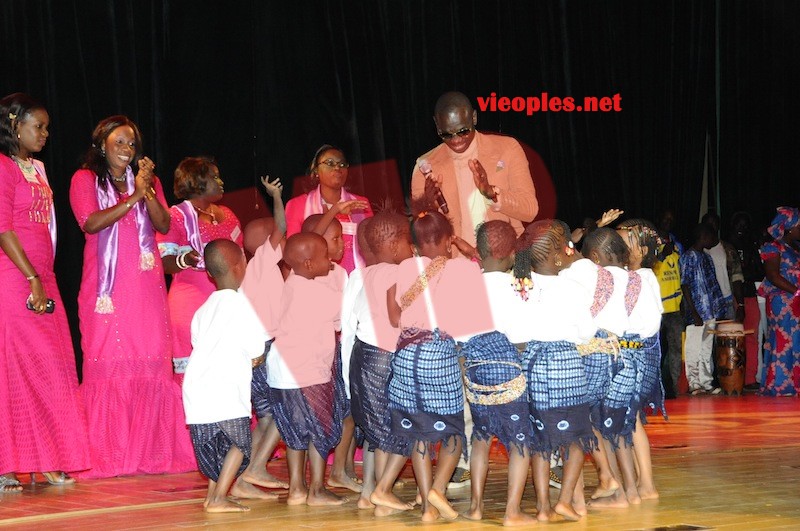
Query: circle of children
point(552, 351)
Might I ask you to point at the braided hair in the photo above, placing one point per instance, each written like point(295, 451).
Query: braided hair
point(647, 235)
point(535, 244)
point(608, 243)
point(495, 238)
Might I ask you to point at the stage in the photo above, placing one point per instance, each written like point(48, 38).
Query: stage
point(721, 463)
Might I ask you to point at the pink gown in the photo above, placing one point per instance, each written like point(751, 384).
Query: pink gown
point(133, 406)
point(42, 426)
point(191, 287)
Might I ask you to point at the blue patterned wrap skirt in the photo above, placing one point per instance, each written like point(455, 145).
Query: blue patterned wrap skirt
point(492, 360)
point(307, 416)
point(649, 397)
point(557, 394)
point(618, 410)
point(370, 369)
point(260, 391)
point(426, 394)
point(211, 443)
point(599, 370)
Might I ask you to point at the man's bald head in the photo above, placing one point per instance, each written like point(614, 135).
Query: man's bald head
point(452, 101)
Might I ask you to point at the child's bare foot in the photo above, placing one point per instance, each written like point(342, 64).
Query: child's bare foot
point(324, 497)
point(633, 496)
point(381, 511)
point(474, 513)
point(618, 500)
point(567, 511)
point(649, 493)
point(418, 499)
point(226, 506)
point(297, 497)
point(545, 514)
point(430, 514)
point(243, 489)
point(390, 500)
point(264, 479)
point(517, 518)
point(605, 489)
point(364, 503)
point(579, 505)
point(344, 482)
point(438, 500)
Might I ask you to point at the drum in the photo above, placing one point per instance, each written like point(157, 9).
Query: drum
point(730, 357)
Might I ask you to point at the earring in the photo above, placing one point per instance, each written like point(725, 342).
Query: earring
point(17, 136)
point(558, 262)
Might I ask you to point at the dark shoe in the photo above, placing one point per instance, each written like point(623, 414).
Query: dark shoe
point(555, 478)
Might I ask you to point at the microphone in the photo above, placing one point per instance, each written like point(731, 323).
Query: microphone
point(427, 171)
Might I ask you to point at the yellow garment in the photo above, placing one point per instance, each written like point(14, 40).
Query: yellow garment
point(668, 274)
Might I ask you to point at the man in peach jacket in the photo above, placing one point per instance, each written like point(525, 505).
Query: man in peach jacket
point(473, 177)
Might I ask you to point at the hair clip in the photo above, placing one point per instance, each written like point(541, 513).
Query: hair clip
point(12, 116)
point(422, 214)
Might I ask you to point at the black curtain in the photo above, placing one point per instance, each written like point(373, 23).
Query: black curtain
point(259, 85)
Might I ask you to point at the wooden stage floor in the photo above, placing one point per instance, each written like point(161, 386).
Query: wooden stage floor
point(720, 463)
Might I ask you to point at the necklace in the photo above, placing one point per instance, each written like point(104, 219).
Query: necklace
point(120, 179)
point(26, 165)
point(208, 213)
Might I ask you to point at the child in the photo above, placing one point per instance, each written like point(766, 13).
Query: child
point(263, 284)
point(300, 365)
point(559, 321)
point(343, 471)
point(495, 382)
point(426, 395)
point(704, 304)
point(386, 243)
point(636, 380)
point(226, 336)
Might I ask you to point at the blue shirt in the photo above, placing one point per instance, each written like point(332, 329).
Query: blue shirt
point(697, 272)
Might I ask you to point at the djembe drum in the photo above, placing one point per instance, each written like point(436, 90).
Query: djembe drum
point(730, 357)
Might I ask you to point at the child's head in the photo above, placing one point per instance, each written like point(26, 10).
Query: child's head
point(642, 239)
point(363, 246)
point(495, 241)
point(306, 253)
point(389, 237)
point(225, 263)
point(432, 234)
point(544, 247)
point(605, 247)
point(332, 235)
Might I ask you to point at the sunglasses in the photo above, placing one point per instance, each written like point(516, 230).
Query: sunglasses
point(334, 164)
point(461, 133)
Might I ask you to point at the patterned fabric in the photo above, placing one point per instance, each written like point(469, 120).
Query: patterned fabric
point(260, 391)
point(557, 393)
point(649, 387)
point(426, 395)
point(697, 272)
point(786, 219)
point(42, 421)
point(632, 291)
point(306, 416)
point(416, 289)
point(133, 407)
point(603, 290)
point(340, 393)
point(212, 442)
point(618, 411)
point(598, 367)
point(492, 360)
point(782, 346)
point(370, 369)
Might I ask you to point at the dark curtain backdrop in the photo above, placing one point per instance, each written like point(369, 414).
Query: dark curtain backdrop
point(259, 85)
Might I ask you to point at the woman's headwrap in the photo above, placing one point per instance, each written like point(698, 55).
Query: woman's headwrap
point(786, 219)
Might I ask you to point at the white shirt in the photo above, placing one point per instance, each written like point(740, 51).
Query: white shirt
point(720, 259)
point(645, 318)
point(504, 306)
point(557, 310)
point(226, 335)
point(613, 316)
point(263, 285)
point(352, 314)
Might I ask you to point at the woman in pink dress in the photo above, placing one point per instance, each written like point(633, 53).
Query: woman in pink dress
point(328, 171)
point(194, 223)
point(42, 425)
point(133, 406)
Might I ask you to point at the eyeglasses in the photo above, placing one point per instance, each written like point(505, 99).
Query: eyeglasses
point(334, 164)
point(461, 132)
